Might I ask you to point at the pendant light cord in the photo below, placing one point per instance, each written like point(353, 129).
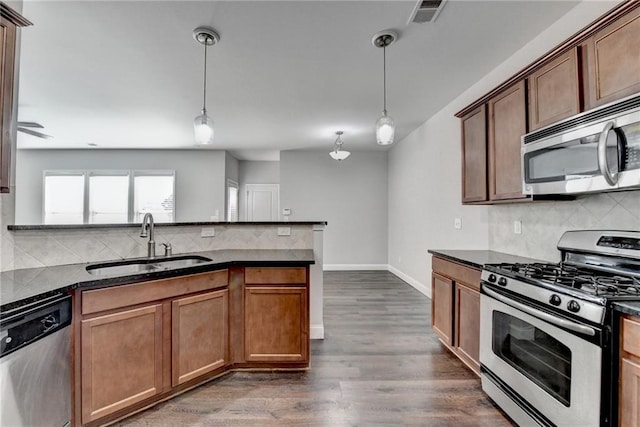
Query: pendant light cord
point(384, 75)
point(204, 100)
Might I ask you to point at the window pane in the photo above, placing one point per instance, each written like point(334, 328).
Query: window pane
point(232, 209)
point(63, 199)
point(153, 194)
point(108, 199)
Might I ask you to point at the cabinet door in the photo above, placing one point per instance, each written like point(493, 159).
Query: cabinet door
point(474, 156)
point(554, 91)
point(629, 392)
point(442, 307)
point(507, 123)
point(7, 56)
point(200, 335)
point(467, 332)
point(612, 61)
point(276, 324)
point(121, 360)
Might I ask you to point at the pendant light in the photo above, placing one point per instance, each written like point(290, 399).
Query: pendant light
point(385, 126)
point(203, 124)
point(338, 153)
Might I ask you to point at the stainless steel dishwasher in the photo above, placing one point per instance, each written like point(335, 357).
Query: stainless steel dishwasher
point(35, 364)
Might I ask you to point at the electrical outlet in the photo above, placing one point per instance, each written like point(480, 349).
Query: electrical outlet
point(457, 223)
point(286, 211)
point(517, 227)
point(284, 231)
point(208, 232)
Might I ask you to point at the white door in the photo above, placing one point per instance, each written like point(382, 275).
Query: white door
point(263, 202)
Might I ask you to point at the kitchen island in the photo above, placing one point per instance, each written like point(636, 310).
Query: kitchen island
point(141, 338)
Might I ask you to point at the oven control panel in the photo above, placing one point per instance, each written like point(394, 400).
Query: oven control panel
point(619, 242)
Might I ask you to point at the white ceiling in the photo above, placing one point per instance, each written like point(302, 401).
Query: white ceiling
point(285, 75)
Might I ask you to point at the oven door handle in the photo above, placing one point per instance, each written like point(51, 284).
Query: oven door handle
point(576, 327)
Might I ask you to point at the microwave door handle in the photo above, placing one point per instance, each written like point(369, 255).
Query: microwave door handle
point(558, 321)
point(603, 164)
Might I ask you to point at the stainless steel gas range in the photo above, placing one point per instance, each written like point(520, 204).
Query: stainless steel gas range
point(546, 345)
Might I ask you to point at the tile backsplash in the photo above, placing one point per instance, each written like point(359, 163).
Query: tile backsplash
point(543, 223)
point(39, 248)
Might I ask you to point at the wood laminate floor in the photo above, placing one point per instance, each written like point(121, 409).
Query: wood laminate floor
point(379, 364)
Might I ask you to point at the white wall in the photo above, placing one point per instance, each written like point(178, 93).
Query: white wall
point(424, 169)
point(350, 195)
point(255, 172)
point(200, 177)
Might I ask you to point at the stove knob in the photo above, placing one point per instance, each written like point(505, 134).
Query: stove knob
point(502, 281)
point(573, 306)
point(555, 300)
point(492, 278)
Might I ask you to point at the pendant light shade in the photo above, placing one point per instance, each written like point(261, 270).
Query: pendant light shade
point(338, 153)
point(385, 126)
point(203, 128)
point(203, 124)
point(385, 129)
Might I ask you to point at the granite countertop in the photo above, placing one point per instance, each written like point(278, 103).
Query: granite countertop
point(480, 258)
point(627, 307)
point(26, 286)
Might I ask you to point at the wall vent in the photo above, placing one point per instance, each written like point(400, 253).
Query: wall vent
point(426, 11)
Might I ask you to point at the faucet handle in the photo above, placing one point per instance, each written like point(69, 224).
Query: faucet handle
point(167, 248)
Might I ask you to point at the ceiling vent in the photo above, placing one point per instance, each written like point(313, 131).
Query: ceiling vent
point(426, 11)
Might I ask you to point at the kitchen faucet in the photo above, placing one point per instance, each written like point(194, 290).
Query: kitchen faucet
point(147, 223)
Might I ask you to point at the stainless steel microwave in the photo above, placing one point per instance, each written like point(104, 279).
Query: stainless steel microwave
point(595, 151)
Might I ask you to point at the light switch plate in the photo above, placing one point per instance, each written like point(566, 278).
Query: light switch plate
point(208, 232)
point(457, 223)
point(517, 227)
point(284, 231)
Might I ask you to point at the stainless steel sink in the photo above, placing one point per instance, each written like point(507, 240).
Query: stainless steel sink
point(137, 266)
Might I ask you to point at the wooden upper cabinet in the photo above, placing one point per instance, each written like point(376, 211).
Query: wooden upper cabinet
point(554, 91)
point(611, 61)
point(474, 156)
point(10, 20)
point(507, 123)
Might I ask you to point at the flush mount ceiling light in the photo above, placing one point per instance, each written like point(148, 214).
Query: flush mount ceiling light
point(385, 126)
point(338, 153)
point(203, 124)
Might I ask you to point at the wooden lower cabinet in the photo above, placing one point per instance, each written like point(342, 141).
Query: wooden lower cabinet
point(276, 324)
point(200, 335)
point(121, 360)
point(442, 307)
point(141, 343)
point(467, 331)
point(629, 374)
point(455, 309)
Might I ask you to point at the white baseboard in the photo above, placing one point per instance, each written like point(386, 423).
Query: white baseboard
point(349, 267)
point(421, 287)
point(316, 332)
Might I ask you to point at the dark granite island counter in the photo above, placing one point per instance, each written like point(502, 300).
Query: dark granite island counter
point(26, 286)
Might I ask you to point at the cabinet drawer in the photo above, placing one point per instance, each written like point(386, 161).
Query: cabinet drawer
point(127, 295)
point(273, 275)
point(631, 335)
point(458, 272)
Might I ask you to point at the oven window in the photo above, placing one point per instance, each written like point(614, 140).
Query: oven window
point(534, 353)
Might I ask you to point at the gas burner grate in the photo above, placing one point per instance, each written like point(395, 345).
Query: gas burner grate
point(586, 280)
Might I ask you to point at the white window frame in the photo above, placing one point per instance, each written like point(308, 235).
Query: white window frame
point(109, 172)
